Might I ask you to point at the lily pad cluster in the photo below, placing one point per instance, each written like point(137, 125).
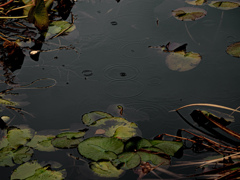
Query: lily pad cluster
point(115, 147)
point(179, 59)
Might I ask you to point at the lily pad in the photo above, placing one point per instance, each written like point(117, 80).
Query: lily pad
point(100, 148)
point(224, 5)
point(33, 170)
point(127, 160)
point(72, 135)
point(42, 143)
point(65, 143)
point(155, 159)
point(105, 169)
point(10, 157)
point(189, 13)
point(104, 121)
point(91, 117)
point(183, 61)
point(168, 147)
point(234, 49)
point(57, 27)
point(137, 143)
point(196, 2)
point(18, 137)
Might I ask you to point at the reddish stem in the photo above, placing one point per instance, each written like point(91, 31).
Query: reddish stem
point(6, 3)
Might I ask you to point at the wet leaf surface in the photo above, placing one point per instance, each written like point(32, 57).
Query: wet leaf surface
point(42, 143)
point(234, 49)
point(127, 160)
point(196, 2)
point(189, 13)
point(224, 5)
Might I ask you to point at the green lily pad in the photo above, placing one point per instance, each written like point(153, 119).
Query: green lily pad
point(100, 148)
point(18, 137)
point(10, 157)
point(189, 13)
point(72, 135)
point(137, 143)
point(125, 132)
point(155, 159)
point(57, 27)
point(224, 5)
point(39, 16)
point(65, 143)
point(91, 117)
point(25, 170)
point(234, 49)
point(196, 2)
point(127, 160)
point(105, 169)
point(183, 61)
point(104, 121)
point(42, 143)
point(168, 147)
point(34, 171)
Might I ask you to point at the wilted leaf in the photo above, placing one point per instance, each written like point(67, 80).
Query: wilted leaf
point(234, 49)
point(42, 143)
point(105, 169)
point(127, 160)
point(168, 147)
point(189, 13)
point(183, 61)
point(100, 148)
point(39, 15)
point(224, 5)
point(91, 117)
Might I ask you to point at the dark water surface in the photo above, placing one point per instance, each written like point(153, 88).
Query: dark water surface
point(112, 65)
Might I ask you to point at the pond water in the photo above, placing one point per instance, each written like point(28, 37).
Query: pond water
point(111, 64)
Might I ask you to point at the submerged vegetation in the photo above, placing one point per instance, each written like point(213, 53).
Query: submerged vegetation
point(108, 145)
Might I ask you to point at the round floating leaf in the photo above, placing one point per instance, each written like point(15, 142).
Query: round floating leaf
point(100, 148)
point(224, 5)
point(183, 61)
point(127, 160)
point(22, 155)
point(33, 170)
point(71, 135)
point(17, 137)
point(136, 143)
point(125, 132)
point(168, 147)
point(42, 143)
point(57, 27)
point(4, 142)
point(195, 2)
point(91, 117)
point(189, 13)
point(6, 156)
point(105, 169)
point(103, 121)
point(155, 159)
point(234, 49)
point(25, 170)
point(65, 143)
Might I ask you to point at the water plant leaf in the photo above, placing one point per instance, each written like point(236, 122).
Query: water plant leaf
point(224, 5)
point(100, 148)
point(196, 2)
point(105, 169)
point(106, 120)
point(71, 135)
point(91, 117)
point(65, 143)
point(137, 143)
point(18, 137)
point(155, 159)
point(57, 27)
point(234, 49)
point(25, 170)
point(125, 132)
point(33, 170)
point(183, 61)
point(168, 147)
point(39, 16)
point(42, 143)
point(189, 13)
point(127, 160)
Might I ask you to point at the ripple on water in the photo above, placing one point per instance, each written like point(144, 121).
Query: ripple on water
point(121, 72)
point(124, 89)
